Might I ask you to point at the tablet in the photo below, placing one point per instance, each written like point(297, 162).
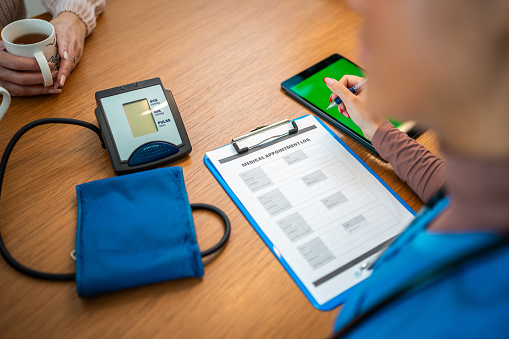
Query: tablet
point(308, 89)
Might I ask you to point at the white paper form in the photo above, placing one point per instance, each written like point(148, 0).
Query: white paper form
point(323, 211)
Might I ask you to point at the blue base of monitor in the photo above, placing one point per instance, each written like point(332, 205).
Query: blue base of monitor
point(151, 152)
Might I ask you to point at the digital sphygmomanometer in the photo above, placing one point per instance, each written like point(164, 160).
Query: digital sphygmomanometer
point(141, 126)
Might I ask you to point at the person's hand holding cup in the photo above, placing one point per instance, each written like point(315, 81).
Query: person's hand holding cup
point(29, 58)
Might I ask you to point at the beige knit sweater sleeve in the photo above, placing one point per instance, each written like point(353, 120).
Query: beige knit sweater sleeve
point(87, 10)
point(11, 10)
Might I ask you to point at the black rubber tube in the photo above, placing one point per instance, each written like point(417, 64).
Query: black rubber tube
point(3, 164)
point(227, 227)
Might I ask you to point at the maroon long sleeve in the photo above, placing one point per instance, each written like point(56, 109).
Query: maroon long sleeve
point(424, 172)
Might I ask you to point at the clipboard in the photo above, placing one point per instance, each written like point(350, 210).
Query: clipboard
point(272, 134)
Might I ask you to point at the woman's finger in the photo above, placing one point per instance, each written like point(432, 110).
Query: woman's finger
point(63, 46)
point(17, 63)
point(344, 112)
point(342, 108)
point(350, 81)
point(68, 62)
point(340, 90)
point(23, 78)
point(66, 68)
point(20, 90)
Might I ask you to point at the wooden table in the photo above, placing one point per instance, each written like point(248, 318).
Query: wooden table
point(224, 60)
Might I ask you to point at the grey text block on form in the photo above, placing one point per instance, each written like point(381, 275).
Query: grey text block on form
point(256, 179)
point(334, 200)
point(294, 226)
point(314, 178)
point(316, 253)
point(354, 223)
point(295, 157)
point(274, 202)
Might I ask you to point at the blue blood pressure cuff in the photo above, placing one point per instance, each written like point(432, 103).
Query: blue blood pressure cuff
point(133, 230)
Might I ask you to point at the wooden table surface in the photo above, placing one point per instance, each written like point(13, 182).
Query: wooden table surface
point(224, 61)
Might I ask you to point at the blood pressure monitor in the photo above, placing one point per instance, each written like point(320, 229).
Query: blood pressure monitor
point(141, 126)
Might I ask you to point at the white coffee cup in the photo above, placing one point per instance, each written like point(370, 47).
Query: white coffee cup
point(44, 51)
point(6, 101)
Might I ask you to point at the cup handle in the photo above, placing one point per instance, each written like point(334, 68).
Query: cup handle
point(43, 64)
point(6, 101)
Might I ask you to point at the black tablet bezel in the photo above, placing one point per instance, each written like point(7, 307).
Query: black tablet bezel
point(287, 85)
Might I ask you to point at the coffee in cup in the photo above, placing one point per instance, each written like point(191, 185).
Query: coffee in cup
point(30, 38)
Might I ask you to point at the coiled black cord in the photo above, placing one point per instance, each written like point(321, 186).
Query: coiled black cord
point(226, 222)
point(3, 164)
point(72, 276)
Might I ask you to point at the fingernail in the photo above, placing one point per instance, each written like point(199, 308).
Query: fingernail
point(342, 113)
point(329, 81)
point(347, 115)
point(62, 80)
point(330, 99)
point(66, 55)
point(51, 65)
point(55, 81)
point(55, 91)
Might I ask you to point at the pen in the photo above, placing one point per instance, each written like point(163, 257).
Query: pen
point(352, 89)
point(368, 265)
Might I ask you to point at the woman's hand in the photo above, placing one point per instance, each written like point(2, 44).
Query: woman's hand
point(22, 76)
point(71, 33)
point(354, 105)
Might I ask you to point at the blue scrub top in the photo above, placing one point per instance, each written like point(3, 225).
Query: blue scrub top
point(472, 302)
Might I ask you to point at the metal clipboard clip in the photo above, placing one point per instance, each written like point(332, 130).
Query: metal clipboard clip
point(264, 134)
